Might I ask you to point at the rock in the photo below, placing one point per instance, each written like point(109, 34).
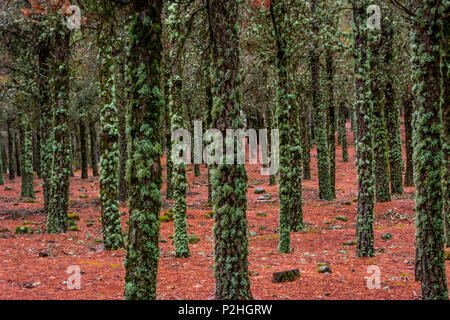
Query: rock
point(386, 236)
point(30, 285)
point(43, 254)
point(163, 241)
point(286, 276)
point(341, 218)
point(323, 268)
point(122, 213)
point(261, 214)
point(267, 196)
point(90, 222)
point(82, 189)
point(253, 273)
point(336, 227)
point(193, 238)
point(350, 243)
point(346, 203)
point(84, 196)
point(262, 228)
point(259, 191)
point(8, 188)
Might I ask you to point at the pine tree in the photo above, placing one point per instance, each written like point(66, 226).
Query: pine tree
point(342, 131)
point(178, 121)
point(94, 147)
point(408, 110)
point(392, 111)
point(427, 143)
point(446, 117)
point(363, 142)
point(109, 133)
point(11, 162)
point(61, 160)
point(46, 115)
point(319, 110)
point(83, 143)
point(229, 180)
point(27, 188)
point(380, 151)
point(2, 178)
point(144, 164)
point(331, 121)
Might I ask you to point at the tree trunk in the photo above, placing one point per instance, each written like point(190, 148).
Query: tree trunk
point(229, 180)
point(428, 155)
point(363, 143)
point(61, 166)
point(144, 166)
point(320, 112)
point(11, 161)
point(27, 187)
point(94, 147)
point(109, 133)
point(408, 110)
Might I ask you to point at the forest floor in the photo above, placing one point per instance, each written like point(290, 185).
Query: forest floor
point(33, 266)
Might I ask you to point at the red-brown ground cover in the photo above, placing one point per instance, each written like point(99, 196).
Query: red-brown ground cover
point(26, 275)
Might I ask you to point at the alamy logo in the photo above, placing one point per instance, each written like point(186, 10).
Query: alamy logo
point(235, 147)
point(374, 280)
point(74, 20)
point(74, 281)
point(374, 20)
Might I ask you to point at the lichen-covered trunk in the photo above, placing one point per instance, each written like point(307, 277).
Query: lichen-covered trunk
point(229, 180)
point(11, 161)
point(61, 160)
point(380, 151)
point(123, 145)
point(283, 114)
point(269, 123)
point(363, 143)
point(320, 115)
point(296, 155)
point(342, 131)
point(177, 111)
point(18, 148)
point(144, 163)
point(2, 178)
point(331, 122)
point(446, 117)
point(408, 110)
point(392, 114)
point(83, 145)
point(27, 187)
point(109, 135)
point(36, 151)
point(428, 154)
point(94, 147)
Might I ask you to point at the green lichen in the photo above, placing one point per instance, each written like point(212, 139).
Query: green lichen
point(428, 154)
point(144, 166)
point(364, 138)
point(109, 133)
point(61, 160)
point(27, 188)
point(229, 181)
